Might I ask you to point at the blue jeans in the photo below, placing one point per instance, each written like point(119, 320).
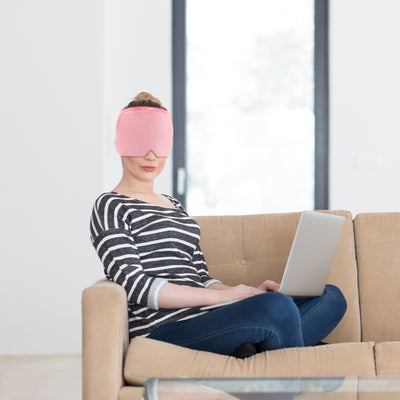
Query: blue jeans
point(271, 320)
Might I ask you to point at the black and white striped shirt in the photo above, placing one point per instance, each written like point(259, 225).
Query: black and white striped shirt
point(142, 247)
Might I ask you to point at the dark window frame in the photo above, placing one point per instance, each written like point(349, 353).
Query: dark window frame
point(321, 104)
point(321, 101)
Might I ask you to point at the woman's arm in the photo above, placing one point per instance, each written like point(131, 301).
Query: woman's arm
point(178, 296)
point(266, 286)
point(218, 286)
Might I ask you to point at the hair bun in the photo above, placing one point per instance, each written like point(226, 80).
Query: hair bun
point(145, 99)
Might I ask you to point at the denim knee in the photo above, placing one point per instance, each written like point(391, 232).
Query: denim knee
point(279, 314)
point(277, 300)
point(277, 308)
point(338, 298)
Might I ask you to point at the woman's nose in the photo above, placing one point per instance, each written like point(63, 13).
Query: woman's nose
point(150, 155)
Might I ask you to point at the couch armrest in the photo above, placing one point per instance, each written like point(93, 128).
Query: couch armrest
point(104, 340)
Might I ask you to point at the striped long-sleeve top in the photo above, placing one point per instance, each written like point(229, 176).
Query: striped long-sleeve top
point(142, 247)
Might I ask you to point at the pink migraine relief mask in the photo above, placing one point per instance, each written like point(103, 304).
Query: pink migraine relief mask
point(141, 129)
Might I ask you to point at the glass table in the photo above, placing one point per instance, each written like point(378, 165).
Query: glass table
point(349, 388)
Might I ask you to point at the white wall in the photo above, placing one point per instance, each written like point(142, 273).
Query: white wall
point(365, 104)
point(51, 110)
point(65, 70)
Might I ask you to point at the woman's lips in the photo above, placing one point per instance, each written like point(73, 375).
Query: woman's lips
point(149, 169)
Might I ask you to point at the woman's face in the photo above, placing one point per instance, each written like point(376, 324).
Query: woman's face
point(145, 168)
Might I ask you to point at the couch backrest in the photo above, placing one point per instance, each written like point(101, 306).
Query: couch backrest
point(377, 238)
point(252, 248)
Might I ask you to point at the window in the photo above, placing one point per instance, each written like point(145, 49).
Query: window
point(250, 127)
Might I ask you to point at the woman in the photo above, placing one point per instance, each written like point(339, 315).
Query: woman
point(150, 246)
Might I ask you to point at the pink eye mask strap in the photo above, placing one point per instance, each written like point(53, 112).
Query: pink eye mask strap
point(141, 129)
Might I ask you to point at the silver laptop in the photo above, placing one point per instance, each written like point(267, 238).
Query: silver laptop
point(312, 253)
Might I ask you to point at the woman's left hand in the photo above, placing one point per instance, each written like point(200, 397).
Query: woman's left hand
point(269, 286)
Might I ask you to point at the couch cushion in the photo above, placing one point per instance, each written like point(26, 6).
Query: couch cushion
point(252, 248)
point(153, 358)
point(130, 393)
point(387, 358)
point(378, 256)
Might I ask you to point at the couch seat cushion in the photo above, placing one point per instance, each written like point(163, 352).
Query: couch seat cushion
point(152, 358)
point(387, 358)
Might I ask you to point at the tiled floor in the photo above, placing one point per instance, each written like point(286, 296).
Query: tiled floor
point(40, 377)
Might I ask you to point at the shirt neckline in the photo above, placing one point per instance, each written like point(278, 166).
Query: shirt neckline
point(150, 204)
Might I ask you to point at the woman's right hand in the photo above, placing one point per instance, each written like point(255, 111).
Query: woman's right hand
point(238, 292)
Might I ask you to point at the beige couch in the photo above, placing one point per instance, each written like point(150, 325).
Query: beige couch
point(250, 249)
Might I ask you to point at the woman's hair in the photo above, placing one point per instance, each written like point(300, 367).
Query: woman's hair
point(144, 99)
